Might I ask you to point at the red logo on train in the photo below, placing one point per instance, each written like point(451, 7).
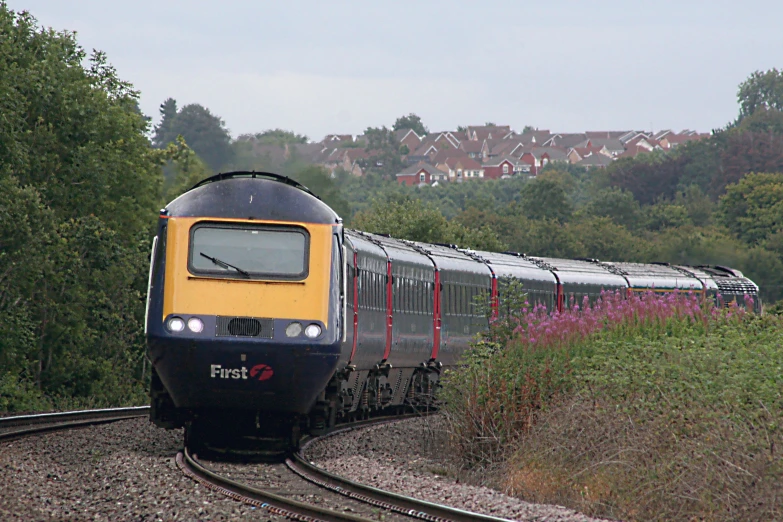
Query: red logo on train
point(263, 371)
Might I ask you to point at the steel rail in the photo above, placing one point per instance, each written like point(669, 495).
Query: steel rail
point(388, 500)
point(48, 422)
point(274, 504)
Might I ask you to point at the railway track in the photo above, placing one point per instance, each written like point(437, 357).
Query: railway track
point(299, 490)
point(23, 425)
point(295, 489)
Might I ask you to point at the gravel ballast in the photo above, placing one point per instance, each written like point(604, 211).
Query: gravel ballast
point(120, 471)
point(127, 471)
point(401, 457)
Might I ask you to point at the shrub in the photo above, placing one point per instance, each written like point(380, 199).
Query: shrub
point(654, 408)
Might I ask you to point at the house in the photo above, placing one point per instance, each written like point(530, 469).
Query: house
point(472, 148)
point(418, 174)
point(607, 134)
point(409, 138)
point(533, 160)
point(504, 147)
point(488, 132)
point(443, 154)
point(460, 168)
point(425, 152)
point(613, 146)
point(595, 160)
point(448, 137)
point(673, 140)
point(335, 139)
point(534, 138)
point(577, 154)
point(567, 141)
point(661, 134)
point(351, 160)
point(500, 167)
point(644, 142)
point(634, 150)
point(625, 138)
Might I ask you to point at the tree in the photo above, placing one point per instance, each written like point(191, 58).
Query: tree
point(279, 137)
point(79, 189)
point(761, 90)
point(384, 152)
point(752, 209)
point(665, 215)
point(545, 199)
point(316, 178)
point(411, 121)
point(203, 131)
point(164, 132)
point(186, 170)
point(616, 204)
point(409, 218)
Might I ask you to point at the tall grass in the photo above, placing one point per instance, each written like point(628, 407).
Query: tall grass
point(654, 406)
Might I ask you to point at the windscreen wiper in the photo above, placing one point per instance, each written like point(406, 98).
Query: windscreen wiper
point(223, 264)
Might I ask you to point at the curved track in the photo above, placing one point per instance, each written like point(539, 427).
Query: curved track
point(299, 490)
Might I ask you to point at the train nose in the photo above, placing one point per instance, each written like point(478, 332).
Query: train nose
point(220, 375)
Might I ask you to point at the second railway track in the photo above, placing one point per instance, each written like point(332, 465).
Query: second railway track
point(300, 490)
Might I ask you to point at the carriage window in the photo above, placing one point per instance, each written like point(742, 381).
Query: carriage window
point(249, 251)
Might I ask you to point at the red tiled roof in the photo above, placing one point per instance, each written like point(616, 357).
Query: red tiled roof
point(443, 154)
point(466, 162)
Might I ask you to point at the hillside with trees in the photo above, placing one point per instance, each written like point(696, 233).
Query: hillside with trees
point(83, 173)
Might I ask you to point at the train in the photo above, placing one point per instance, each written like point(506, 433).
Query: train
point(266, 319)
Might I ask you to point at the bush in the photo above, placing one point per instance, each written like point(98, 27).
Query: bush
point(655, 408)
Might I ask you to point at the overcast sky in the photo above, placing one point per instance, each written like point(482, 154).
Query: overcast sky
point(321, 67)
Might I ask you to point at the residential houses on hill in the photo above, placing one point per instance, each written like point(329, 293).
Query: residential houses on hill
point(485, 152)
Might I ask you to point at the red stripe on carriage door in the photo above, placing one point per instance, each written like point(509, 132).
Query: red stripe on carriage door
point(355, 305)
point(494, 298)
point(436, 317)
point(560, 297)
point(389, 316)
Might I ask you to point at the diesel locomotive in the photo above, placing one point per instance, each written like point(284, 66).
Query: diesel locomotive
point(267, 319)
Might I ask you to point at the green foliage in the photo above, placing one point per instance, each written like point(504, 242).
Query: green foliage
point(79, 186)
point(649, 419)
point(666, 215)
point(384, 152)
point(203, 131)
point(753, 208)
point(185, 169)
point(545, 199)
point(762, 90)
point(317, 179)
point(411, 121)
point(279, 137)
point(409, 218)
point(693, 418)
point(616, 204)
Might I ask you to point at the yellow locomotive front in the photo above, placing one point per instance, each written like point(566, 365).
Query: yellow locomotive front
point(245, 304)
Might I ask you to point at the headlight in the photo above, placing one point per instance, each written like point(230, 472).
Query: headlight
point(195, 325)
point(176, 324)
point(293, 329)
point(312, 331)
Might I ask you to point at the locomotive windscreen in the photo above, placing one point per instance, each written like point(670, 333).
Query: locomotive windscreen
point(248, 251)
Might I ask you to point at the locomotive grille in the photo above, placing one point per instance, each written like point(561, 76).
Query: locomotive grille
point(736, 287)
point(245, 327)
